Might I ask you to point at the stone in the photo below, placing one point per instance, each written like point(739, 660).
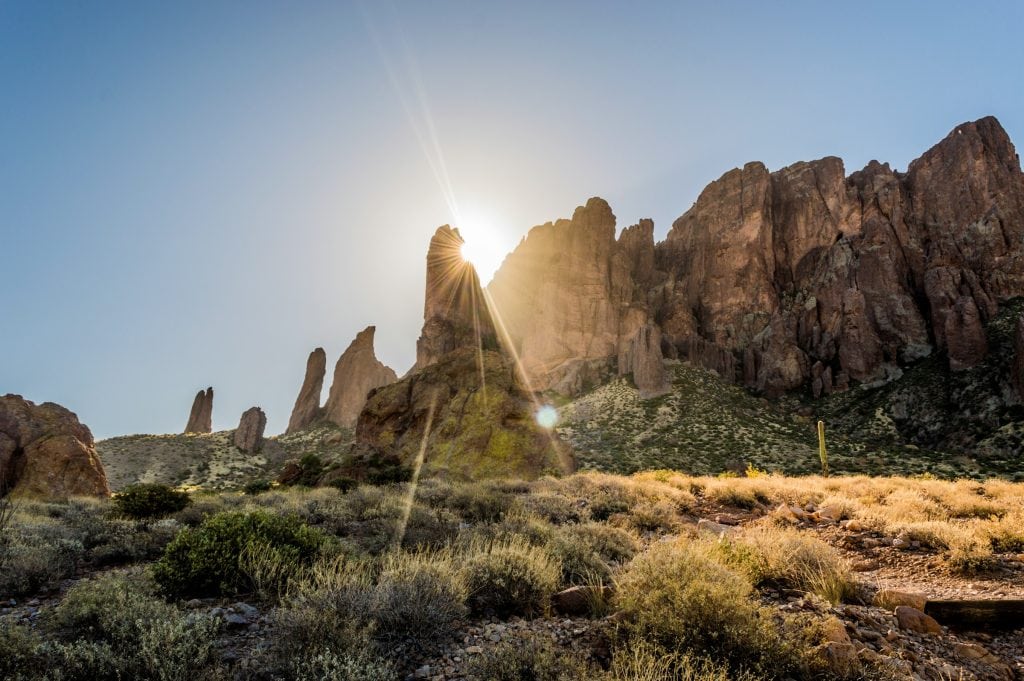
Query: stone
point(356, 374)
point(307, 404)
point(912, 619)
point(45, 451)
point(642, 359)
point(840, 658)
point(580, 600)
point(833, 630)
point(200, 419)
point(249, 434)
point(891, 598)
point(717, 529)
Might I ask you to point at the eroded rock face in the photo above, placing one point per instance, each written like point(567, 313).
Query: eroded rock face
point(200, 419)
point(571, 295)
point(467, 413)
point(307, 404)
point(249, 434)
point(643, 360)
point(357, 372)
point(1017, 369)
point(455, 313)
point(46, 452)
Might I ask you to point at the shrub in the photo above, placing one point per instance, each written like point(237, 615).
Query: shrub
point(330, 665)
point(510, 577)
point(677, 597)
point(256, 487)
point(580, 563)
point(149, 500)
point(205, 560)
point(17, 651)
point(642, 661)
point(530, 659)
point(419, 597)
point(37, 557)
point(611, 543)
point(312, 468)
point(343, 484)
point(115, 627)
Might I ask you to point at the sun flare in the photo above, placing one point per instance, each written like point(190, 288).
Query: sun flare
point(483, 247)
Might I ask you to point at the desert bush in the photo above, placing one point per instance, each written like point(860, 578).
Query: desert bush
point(115, 627)
point(205, 560)
point(678, 597)
point(18, 651)
point(515, 524)
point(530, 659)
point(472, 502)
point(1007, 534)
point(580, 563)
point(789, 559)
point(201, 508)
point(652, 516)
point(611, 543)
point(330, 665)
point(554, 507)
point(418, 596)
point(642, 661)
point(256, 487)
point(510, 577)
point(149, 500)
point(37, 556)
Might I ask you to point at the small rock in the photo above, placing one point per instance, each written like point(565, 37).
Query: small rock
point(914, 620)
point(717, 529)
point(890, 598)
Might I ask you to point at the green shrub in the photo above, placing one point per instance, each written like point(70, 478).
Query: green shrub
point(679, 598)
point(149, 500)
point(18, 646)
point(256, 487)
point(343, 484)
point(205, 560)
point(37, 557)
point(510, 577)
point(530, 659)
point(312, 468)
point(330, 665)
point(642, 661)
point(580, 563)
point(611, 543)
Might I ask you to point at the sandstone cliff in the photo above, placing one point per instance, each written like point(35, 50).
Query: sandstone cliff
point(307, 404)
point(46, 452)
point(357, 372)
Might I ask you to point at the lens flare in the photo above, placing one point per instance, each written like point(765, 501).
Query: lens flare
point(547, 417)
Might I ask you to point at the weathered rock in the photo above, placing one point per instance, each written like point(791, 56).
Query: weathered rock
point(200, 419)
point(579, 601)
point(46, 452)
point(1017, 369)
point(890, 599)
point(914, 620)
point(307, 404)
point(642, 359)
point(965, 335)
point(357, 372)
point(455, 313)
point(249, 434)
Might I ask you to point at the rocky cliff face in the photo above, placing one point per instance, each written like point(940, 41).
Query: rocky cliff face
point(455, 313)
point(357, 372)
point(200, 419)
point(801, 279)
point(571, 296)
point(249, 434)
point(307, 404)
point(46, 452)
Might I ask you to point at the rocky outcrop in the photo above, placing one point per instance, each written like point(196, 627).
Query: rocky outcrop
point(46, 452)
point(455, 312)
point(571, 296)
point(357, 372)
point(307, 404)
point(1017, 368)
point(642, 359)
point(464, 416)
point(249, 434)
point(200, 419)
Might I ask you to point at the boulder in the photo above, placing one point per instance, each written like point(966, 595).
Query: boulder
point(357, 372)
point(912, 619)
point(307, 404)
point(200, 419)
point(45, 451)
point(249, 434)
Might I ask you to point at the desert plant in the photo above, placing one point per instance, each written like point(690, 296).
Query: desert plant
point(418, 596)
point(330, 665)
point(149, 500)
point(256, 487)
point(510, 577)
point(530, 659)
point(205, 560)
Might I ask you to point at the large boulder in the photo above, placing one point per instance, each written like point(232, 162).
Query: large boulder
point(46, 452)
point(357, 372)
point(249, 434)
point(200, 419)
point(307, 404)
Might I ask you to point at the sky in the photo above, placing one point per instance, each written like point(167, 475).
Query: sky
point(200, 193)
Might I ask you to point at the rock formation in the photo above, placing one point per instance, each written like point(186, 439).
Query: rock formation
point(307, 404)
point(572, 297)
point(200, 419)
point(46, 452)
point(643, 360)
point(455, 313)
point(804, 278)
point(1017, 368)
point(357, 372)
point(249, 434)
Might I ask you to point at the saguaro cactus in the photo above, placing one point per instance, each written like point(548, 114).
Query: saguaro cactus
point(822, 452)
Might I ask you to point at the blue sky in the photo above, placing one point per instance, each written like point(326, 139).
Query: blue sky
point(199, 193)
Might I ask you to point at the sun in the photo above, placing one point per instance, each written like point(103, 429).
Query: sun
point(483, 247)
